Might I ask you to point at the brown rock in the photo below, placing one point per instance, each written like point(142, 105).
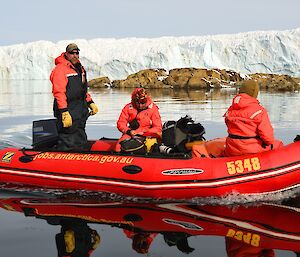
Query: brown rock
point(276, 82)
point(196, 78)
point(197, 82)
point(178, 78)
point(101, 82)
point(145, 78)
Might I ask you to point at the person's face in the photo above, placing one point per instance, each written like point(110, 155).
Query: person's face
point(73, 56)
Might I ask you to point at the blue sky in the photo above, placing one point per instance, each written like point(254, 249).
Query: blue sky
point(54, 20)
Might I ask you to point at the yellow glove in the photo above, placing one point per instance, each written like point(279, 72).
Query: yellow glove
point(69, 238)
point(95, 239)
point(66, 119)
point(94, 109)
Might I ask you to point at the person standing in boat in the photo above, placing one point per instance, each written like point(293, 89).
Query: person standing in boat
point(76, 239)
point(140, 117)
point(248, 124)
point(71, 99)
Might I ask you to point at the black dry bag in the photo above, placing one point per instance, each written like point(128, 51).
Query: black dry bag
point(135, 145)
point(176, 134)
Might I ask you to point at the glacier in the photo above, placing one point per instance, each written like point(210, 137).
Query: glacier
point(247, 53)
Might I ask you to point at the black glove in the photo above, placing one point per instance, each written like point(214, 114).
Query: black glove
point(297, 138)
point(264, 145)
point(134, 124)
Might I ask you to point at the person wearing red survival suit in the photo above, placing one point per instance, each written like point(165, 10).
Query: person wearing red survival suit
point(139, 118)
point(248, 123)
point(71, 99)
point(236, 248)
point(141, 241)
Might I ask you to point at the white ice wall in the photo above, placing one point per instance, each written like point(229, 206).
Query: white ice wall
point(266, 52)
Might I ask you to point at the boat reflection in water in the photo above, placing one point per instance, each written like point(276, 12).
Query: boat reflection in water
point(248, 230)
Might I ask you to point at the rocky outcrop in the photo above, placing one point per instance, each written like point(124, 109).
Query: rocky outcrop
point(181, 78)
point(201, 78)
point(196, 78)
point(150, 78)
point(276, 82)
point(178, 78)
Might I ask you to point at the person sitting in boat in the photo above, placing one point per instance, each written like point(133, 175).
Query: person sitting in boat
point(235, 248)
point(248, 123)
point(140, 117)
point(71, 99)
point(141, 241)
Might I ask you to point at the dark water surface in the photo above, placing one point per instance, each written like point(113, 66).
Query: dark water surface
point(29, 227)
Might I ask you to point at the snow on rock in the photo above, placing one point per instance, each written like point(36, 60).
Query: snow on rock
point(253, 52)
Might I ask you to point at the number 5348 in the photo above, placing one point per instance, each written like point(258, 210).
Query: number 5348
point(240, 166)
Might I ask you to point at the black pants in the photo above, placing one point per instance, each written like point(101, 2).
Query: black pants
point(74, 137)
point(83, 242)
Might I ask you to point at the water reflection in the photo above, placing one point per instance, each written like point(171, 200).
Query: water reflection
point(247, 230)
point(34, 98)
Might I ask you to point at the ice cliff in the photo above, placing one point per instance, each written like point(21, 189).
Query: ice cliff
point(253, 52)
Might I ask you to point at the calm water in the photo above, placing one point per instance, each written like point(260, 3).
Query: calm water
point(24, 101)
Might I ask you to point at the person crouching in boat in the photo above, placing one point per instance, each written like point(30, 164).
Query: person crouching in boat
point(71, 99)
point(140, 117)
point(248, 124)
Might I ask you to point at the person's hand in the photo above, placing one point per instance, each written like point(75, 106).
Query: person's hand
point(66, 119)
point(69, 238)
point(94, 108)
point(132, 133)
point(95, 239)
point(128, 132)
point(136, 133)
point(264, 145)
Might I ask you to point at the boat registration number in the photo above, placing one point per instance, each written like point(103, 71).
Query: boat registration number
point(248, 238)
point(240, 166)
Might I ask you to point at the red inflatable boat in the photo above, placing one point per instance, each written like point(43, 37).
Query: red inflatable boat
point(267, 226)
point(177, 176)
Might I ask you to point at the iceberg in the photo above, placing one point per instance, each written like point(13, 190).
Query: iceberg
point(247, 53)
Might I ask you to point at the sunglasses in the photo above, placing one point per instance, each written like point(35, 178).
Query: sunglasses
point(142, 100)
point(75, 52)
